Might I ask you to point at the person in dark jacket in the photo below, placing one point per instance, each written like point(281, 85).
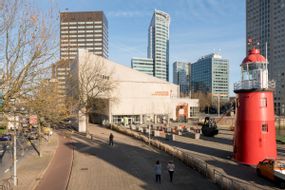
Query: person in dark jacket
point(157, 170)
point(111, 139)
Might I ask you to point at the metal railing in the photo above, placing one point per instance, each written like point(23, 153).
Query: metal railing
point(253, 84)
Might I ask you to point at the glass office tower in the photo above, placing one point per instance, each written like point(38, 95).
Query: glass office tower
point(158, 44)
point(210, 74)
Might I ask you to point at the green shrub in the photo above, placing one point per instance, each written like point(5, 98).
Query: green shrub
point(280, 139)
point(2, 130)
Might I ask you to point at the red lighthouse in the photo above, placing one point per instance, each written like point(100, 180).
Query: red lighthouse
point(255, 137)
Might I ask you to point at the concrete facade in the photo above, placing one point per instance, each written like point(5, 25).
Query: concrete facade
point(137, 96)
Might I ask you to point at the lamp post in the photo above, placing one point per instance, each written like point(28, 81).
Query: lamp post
point(12, 100)
point(218, 105)
point(149, 135)
point(148, 121)
point(219, 102)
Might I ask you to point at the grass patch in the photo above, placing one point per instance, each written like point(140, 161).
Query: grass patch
point(2, 131)
point(280, 139)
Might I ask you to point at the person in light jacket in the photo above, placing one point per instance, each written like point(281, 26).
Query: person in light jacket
point(170, 168)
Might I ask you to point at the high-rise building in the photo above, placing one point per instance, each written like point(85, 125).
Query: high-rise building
point(144, 65)
point(158, 44)
point(181, 76)
point(265, 24)
point(210, 74)
point(87, 30)
point(60, 71)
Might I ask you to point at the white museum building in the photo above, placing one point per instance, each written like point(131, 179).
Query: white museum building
point(137, 96)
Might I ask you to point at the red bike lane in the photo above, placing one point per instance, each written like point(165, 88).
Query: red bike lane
point(57, 175)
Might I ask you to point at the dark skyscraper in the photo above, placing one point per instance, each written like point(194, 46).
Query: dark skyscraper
point(88, 30)
point(265, 23)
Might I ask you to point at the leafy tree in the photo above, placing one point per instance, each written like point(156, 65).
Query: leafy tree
point(205, 100)
point(46, 102)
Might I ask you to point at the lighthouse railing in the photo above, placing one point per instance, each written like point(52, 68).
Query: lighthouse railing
point(253, 84)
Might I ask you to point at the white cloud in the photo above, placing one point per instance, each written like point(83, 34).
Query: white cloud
point(127, 14)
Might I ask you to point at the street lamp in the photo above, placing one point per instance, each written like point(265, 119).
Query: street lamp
point(219, 101)
point(12, 100)
point(218, 105)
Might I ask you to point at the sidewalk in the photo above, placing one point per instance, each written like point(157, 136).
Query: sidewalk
point(216, 152)
point(128, 165)
point(32, 167)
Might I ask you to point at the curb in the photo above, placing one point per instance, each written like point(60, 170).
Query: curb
point(70, 172)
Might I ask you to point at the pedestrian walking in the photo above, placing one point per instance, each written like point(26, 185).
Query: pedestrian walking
point(111, 139)
point(157, 169)
point(170, 168)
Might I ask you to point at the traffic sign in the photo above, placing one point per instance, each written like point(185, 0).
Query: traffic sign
point(33, 120)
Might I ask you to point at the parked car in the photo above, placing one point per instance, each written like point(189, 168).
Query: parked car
point(273, 170)
point(33, 136)
point(6, 138)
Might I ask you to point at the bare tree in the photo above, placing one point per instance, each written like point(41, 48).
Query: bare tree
point(28, 47)
point(91, 82)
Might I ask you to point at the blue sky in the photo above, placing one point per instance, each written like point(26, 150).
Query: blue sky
point(197, 28)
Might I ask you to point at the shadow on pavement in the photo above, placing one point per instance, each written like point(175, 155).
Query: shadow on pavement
point(218, 140)
point(243, 172)
point(199, 149)
point(139, 162)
